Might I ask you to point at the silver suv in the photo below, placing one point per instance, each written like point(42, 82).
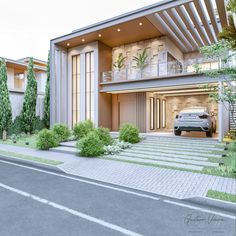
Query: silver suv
point(195, 119)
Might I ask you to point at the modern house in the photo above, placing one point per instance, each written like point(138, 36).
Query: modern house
point(17, 80)
point(87, 83)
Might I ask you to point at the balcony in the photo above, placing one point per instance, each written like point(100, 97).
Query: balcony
point(164, 69)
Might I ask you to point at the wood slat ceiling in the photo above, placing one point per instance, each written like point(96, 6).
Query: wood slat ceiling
point(196, 20)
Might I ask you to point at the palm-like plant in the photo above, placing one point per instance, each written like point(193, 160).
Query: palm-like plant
point(229, 32)
point(141, 59)
point(120, 62)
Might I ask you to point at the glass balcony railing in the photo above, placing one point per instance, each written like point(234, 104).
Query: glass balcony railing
point(159, 70)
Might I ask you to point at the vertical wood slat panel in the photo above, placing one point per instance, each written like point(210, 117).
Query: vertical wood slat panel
point(141, 111)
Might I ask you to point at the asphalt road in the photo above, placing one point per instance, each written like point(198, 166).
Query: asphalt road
point(35, 202)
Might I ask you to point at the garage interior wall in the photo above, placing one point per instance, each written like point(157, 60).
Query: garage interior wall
point(174, 104)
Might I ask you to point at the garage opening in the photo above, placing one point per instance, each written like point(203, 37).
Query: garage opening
point(166, 106)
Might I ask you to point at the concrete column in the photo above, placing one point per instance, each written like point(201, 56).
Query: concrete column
point(220, 115)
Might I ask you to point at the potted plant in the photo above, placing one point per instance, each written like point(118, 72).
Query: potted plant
point(119, 65)
point(141, 61)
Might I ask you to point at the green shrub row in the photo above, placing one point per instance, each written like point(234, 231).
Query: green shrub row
point(51, 138)
point(91, 141)
point(17, 126)
point(129, 133)
point(96, 141)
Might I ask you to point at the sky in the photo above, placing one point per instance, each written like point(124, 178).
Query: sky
point(26, 26)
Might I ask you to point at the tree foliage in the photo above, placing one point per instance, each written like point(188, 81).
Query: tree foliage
point(5, 104)
point(46, 116)
point(28, 113)
point(225, 94)
point(229, 32)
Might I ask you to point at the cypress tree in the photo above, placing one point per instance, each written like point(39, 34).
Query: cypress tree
point(46, 117)
point(5, 104)
point(28, 113)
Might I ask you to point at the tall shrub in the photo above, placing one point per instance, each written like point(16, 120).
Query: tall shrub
point(46, 117)
point(5, 104)
point(28, 113)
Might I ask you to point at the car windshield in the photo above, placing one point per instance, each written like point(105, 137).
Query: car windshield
point(194, 110)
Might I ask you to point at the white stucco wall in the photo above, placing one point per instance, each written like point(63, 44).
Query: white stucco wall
point(17, 99)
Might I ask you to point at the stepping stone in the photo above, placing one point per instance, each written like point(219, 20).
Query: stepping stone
point(161, 163)
point(181, 144)
point(162, 154)
point(176, 147)
point(64, 149)
point(170, 159)
point(69, 144)
point(175, 152)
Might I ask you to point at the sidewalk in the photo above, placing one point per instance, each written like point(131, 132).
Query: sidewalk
point(173, 183)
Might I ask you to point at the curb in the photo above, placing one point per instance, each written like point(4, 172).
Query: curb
point(213, 203)
point(30, 163)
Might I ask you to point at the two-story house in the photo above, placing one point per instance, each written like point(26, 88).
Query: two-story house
point(87, 84)
point(17, 81)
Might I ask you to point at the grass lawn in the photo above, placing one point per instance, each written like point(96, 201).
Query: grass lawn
point(30, 158)
point(21, 142)
point(221, 196)
point(229, 167)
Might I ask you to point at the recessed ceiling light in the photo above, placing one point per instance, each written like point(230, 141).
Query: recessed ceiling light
point(83, 40)
point(140, 23)
point(118, 29)
point(99, 35)
point(68, 44)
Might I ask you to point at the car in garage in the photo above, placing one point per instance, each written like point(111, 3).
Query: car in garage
point(195, 119)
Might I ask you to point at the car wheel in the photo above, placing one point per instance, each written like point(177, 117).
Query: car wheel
point(209, 133)
point(177, 133)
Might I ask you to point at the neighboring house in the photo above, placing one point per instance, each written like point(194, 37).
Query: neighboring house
point(86, 85)
point(17, 80)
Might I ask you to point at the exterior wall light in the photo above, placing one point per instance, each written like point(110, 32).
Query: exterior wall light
point(99, 35)
point(118, 30)
point(83, 40)
point(140, 23)
point(68, 44)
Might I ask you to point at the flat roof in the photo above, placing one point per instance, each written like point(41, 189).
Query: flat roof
point(23, 65)
point(190, 24)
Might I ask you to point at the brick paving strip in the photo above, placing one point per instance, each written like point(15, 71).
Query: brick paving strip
point(173, 183)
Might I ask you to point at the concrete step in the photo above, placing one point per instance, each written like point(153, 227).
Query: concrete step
point(170, 159)
point(174, 152)
point(162, 155)
point(177, 147)
point(157, 162)
point(64, 149)
point(68, 144)
point(182, 144)
point(183, 140)
point(166, 154)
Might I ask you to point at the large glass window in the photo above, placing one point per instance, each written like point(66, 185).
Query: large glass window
point(89, 57)
point(75, 89)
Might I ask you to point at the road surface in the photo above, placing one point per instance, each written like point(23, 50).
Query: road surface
point(37, 202)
